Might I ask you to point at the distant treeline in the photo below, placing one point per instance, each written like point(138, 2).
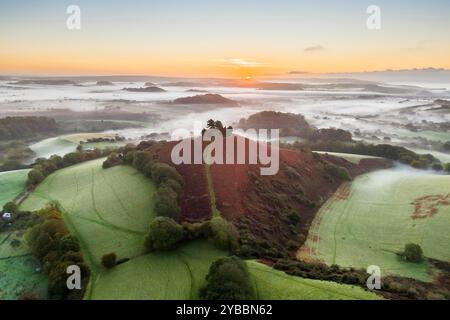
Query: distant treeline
point(396, 153)
point(26, 127)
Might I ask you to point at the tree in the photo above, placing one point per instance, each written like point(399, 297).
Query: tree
point(166, 202)
point(447, 167)
point(412, 253)
point(164, 234)
point(35, 176)
point(162, 172)
point(10, 207)
point(223, 234)
point(109, 260)
point(228, 279)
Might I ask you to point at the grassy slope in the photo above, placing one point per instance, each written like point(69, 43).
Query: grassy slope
point(274, 284)
point(353, 158)
point(108, 211)
point(12, 183)
point(375, 222)
point(51, 146)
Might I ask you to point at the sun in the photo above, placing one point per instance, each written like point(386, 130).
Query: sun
point(248, 78)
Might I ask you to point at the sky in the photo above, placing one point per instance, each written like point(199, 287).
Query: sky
point(232, 38)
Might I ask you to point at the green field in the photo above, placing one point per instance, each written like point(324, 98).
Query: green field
point(353, 158)
point(180, 274)
point(12, 183)
point(110, 210)
point(17, 269)
point(103, 145)
point(368, 222)
point(51, 146)
point(273, 284)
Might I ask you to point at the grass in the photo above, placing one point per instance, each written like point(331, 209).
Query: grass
point(17, 270)
point(103, 145)
point(353, 158)
point(273, 284)
point(108, 209)
point(180, 274)
point(51, 146)
point(177, 274)
point(375, 222)
point(12, 183)
point(77, 138)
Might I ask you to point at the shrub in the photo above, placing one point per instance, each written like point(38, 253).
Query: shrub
point(109, 260)
point(228, 279)
point(412, 253)
point(164, 234)
point(338, 172)
point(113, 160)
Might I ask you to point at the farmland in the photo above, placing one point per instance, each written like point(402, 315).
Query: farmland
point(17, 269)
point(51, 146)
point(12, 183)
point(368, 222)
point(274, 284)
point(109, 210)
point(353, 158)
point(62, 145)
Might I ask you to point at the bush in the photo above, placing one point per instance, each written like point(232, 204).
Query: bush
point(228, 279)
point(113, 160)
point(164, 234)
point(109, 260)
point(413, 253)
point(338, 172)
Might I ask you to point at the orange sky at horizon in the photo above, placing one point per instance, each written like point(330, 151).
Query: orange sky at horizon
point(235, 39)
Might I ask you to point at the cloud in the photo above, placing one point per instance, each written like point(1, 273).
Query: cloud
point(243, 63)
point(314, 48)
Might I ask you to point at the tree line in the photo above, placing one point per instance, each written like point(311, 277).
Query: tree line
point(12, 128)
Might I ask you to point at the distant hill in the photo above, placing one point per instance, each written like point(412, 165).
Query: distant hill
point(146, 89)
point(47, 82)
point(104, 83)
point(205, 99)
point(290, 124)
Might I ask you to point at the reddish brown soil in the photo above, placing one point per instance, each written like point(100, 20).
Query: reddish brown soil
point(426, 207)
